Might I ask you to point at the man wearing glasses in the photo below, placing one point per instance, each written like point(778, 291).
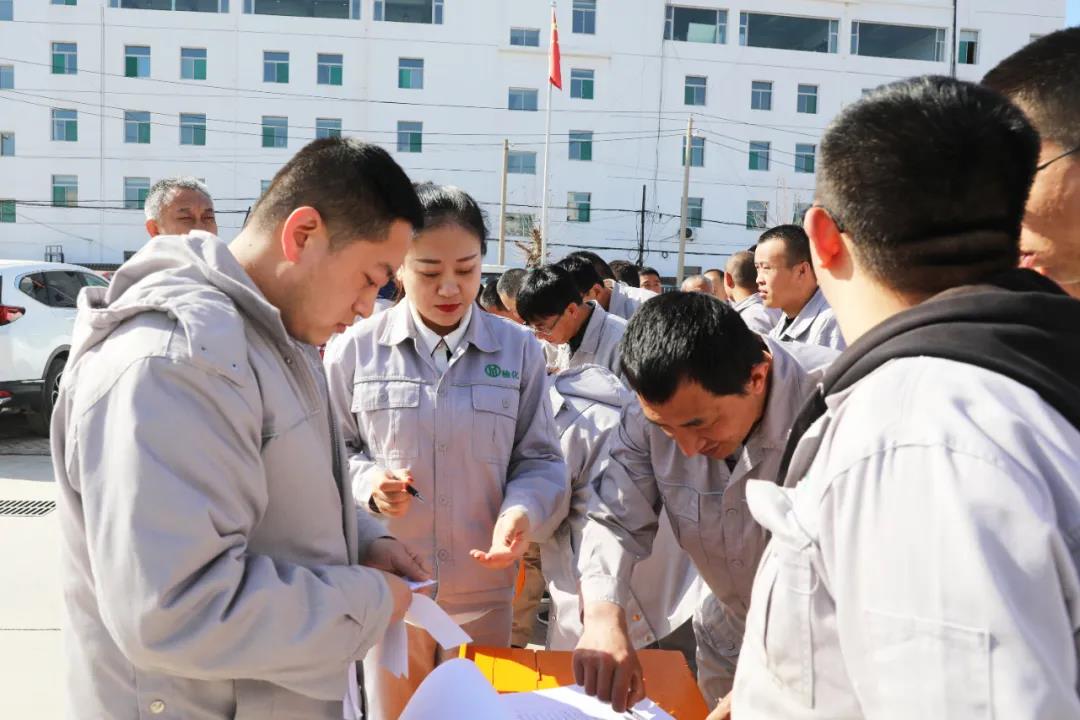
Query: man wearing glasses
point(551, 303)
point(786, 282)
point(1042, 79)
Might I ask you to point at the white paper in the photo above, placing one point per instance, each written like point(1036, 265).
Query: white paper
point(571, 703)
point(456, 690)
point(393, 652)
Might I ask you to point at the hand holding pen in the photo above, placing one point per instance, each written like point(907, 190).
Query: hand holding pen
point(392, 492)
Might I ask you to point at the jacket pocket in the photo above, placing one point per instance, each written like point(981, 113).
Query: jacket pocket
point(928, 668)
point(787, 634)
point(495, 413)
point(389, 413)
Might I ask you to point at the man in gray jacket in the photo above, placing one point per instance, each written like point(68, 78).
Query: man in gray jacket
point(211, 549)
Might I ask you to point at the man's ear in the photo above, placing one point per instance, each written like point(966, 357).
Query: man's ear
point(152, 228)
point(825, 240)
point(298, 231)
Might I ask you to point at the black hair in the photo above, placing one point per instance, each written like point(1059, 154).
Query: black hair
point(680, 336)
point(357, 188)
point(718, 271)
point(510, 282)
point(1043, 77)
point(489, 297)
point(648, 271)
point(626, 272)
point(548, 291)
point(929, 177)
point(742, 271)
point(796, 242)
point(583, 272)
point(602, 268)
point(446, 204)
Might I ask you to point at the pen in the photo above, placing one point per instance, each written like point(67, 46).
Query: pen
point(414, 492)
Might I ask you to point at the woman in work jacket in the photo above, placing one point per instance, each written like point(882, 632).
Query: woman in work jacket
point(450, 438)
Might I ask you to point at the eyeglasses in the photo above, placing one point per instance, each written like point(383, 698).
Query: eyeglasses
point(550, 328)
point(1053, 160)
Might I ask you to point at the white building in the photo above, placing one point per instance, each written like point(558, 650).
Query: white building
point(100, 98)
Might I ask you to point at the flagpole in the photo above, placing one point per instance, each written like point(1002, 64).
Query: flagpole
point(547, 159)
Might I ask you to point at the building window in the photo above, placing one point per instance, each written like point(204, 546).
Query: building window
point(333, 9)
point(578, 206)
point(519, 224)
point(65, 190)
point(686, 24)
point(211, 6)
point(136, 127)
point(192, 129)
point(525, 37)
point(522, 99)
point(697, 151)
point(521, 162)
point(757, 214)
point(784, 32)
point(327, 127)
point(329, 69)
point(192, 63)
point(694, 90)
point(759, 156)
point(581, 145)
point(275, 132)
point(807, 100)
point(7, 211)
point(65, 125)
point(899, 42)
point(7, 10)
point(798, 214)
point(410, 74)
point(425, 12)
point(410, 137)
point(65, 58)
point(761, 95)
point(804, 157)
point(62, 2)
point(584, 17)
point(581, 83)
point(135, 191)
point(136, 61)
point(7, 77)
point(276, 67)
point(969, 47)
point(7, 144)
point(264, 185)
point(694, 210)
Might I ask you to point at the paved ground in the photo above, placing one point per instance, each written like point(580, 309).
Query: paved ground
point(16, 438)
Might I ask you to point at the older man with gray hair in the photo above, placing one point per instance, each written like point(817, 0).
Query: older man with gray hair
point(178, 205)
point(697, 283)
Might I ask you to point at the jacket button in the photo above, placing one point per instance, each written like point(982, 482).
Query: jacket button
point(506, 404)
point(444, 554)
point(443, 500)
point(157, 707)
point(732, 511)
point(442, 447)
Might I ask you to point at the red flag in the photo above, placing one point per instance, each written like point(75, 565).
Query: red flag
point(554, 58)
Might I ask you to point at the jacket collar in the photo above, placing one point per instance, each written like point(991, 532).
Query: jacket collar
point(802, 322)
point(400, 326)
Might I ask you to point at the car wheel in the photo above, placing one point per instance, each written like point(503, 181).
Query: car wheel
point(50, 393)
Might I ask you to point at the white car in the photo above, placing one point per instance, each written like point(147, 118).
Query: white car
point(37, 312)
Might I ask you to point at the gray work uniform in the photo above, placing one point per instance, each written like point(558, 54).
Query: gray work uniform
point(665, 588)
point(625, 300)
point(600, 344)
point(704, 500)
point(209, 536)
point(754, 313)
point(479, 439)
point(815, 325)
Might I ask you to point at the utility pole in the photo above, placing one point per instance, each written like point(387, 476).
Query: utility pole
point(641, 240)
point(683, 217)
point(502, 203)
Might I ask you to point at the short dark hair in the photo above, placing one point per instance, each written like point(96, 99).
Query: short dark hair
point(446, 204)
point(510, 282)
point(356, 187)
point(489, 297)
point(548, 291)
point(715, 270)
point(1043, 78)
point(742, 271)
point(583, 272)
point(626, 272)
point(681, 336)
point(648, 271)
point(796, 242)
point(929, 177)
point(602, 268)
